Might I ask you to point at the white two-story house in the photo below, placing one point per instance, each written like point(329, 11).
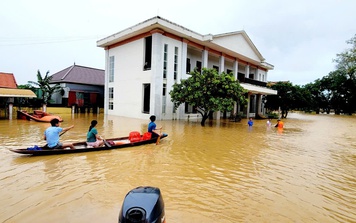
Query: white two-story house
point(145, 60)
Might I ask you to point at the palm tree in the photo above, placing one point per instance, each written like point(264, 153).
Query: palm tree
point(44, 85)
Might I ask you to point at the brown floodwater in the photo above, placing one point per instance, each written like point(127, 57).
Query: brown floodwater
point(223, 172)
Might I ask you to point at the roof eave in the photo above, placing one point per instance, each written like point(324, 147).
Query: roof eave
point(151, 24)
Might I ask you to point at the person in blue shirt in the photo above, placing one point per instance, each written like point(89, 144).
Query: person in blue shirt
point(250, 122)
point(93, 138)
point(51, 135)
point(152, 127)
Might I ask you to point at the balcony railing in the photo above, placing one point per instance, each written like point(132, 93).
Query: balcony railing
point(251, 81)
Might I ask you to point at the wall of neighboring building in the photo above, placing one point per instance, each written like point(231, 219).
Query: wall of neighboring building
point(129, 77)
point(58, 99)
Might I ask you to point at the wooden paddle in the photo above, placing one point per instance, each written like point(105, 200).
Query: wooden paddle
point(105, 142)
point(159, 137)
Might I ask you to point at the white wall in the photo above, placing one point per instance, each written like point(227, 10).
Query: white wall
point(238, 44)
point(129, 75)
point(172, 43)
point(128, 79)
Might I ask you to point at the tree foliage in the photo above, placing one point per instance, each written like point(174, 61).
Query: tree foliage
point(45, 87)
point(337, 90)
point(283, 101)
point(208, 91)
point(346, 73)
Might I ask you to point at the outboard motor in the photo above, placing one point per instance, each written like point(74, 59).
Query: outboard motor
point(143, 205)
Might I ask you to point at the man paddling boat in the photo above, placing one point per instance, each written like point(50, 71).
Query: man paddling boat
point(51, 135)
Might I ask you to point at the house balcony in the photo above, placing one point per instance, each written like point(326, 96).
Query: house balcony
point(252, 81)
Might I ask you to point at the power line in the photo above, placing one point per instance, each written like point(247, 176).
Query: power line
point(9, 41)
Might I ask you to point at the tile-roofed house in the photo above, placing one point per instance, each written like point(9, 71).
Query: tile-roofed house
point(80, 74)
point(82, 86)
point(9, 91)
point(8, 88)
point(7, 80)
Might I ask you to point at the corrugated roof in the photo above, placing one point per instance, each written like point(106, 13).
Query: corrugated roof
point(7, 80)
point(80, 75)
point(16, 93)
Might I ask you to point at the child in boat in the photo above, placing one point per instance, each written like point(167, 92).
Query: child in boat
point(152, 128)
point(93, 138)
point(51, 135)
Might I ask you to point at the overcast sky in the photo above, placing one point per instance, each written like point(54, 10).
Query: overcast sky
point(300, 38)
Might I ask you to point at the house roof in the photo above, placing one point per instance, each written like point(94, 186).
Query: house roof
point(80, 75)
point(7, 80)
point(8, 87)
point(216, 42)
point(16, 93)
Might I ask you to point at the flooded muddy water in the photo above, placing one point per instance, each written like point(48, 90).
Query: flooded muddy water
point(223, 172)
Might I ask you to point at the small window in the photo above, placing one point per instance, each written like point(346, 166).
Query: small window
point(148, 53)
point(198, 66)
point(146, 98)
point(228, 71)
point(188, 109)
point(111, 98)
point(216, 68)
point(188, 66)
point(164, 90)
point(175, 63)
point(241, 77)
point(165, 61)
point(111, 68)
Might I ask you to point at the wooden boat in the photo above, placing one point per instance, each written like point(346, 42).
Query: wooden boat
point(37, 115)
point(112, 143)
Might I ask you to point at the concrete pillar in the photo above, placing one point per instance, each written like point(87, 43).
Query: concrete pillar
point(217, 114)
point(248, 105)
point(247, 71)
point(184, 60)
point(205, 58)
point(73, 109)
point(222, 63)
point(10, 110)
point(157, 71)
point(44, 107)
point(259, 76)
point(179, 112)
point(259, 105)
point(236, 69)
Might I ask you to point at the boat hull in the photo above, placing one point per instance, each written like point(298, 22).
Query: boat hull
point(39, 117)
point(80, 147)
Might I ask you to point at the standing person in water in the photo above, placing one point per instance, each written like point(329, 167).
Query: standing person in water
point(51, 135)
point(152, 128)
point(269, 123)
point(93, 138)
point(279, 124)
point(250, 122)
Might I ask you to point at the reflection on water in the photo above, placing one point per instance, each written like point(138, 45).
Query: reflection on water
point(223, 172)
